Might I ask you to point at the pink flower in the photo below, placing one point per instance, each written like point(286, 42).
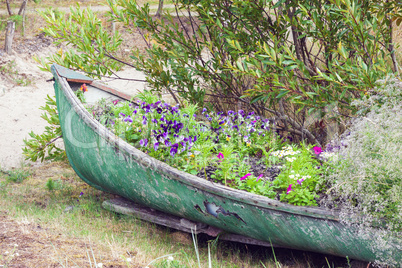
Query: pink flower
point(299, 181)
point(115, 102)
point(317, 150)
point(259, 177)
point(245, 176)
point(221, 157)
point(289, 189)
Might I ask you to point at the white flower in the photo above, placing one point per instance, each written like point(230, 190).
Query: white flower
point(129, 259)
point(100, 265)
point(170, 258)
point(5, 253)
point(292, 176)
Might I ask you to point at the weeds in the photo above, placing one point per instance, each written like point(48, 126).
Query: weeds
point(9, 69)
point(16, 175)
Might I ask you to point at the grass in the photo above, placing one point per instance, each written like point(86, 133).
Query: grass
point(80, 232)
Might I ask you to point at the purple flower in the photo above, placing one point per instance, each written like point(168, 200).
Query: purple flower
point(128, 119)
point(167, 143)
point(245, 176)
point(173, 149)
point(156, 146)
point(241, 112)
point(135, 112)
point(81, 194)
point(299, 181)
point(204, 110)
point(123, 115)
point(289, 189)
point(143, 142)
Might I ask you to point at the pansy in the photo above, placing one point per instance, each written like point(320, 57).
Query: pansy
point(173, 149)
point(128, 119)
point(143, 142)
point(245, 176)
point(156, 146)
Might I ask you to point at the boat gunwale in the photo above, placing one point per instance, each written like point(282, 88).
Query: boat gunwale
point(173, 173)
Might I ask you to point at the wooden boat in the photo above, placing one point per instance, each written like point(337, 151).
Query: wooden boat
point(108, 163)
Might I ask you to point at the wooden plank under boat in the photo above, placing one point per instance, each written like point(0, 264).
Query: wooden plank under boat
point(108, 163)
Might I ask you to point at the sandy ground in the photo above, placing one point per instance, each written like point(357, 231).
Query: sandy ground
point(19, 105)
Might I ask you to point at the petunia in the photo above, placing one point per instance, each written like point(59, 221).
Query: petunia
point(317, 150)
point(115, 102)
point(221, 157)
point(289, 189)
point(299, 181)
point(245, 176)
point(259, 177)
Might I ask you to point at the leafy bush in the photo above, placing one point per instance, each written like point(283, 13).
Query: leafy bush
point(280, 59)
point(367, 179)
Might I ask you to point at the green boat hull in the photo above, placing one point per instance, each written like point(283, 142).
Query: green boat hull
point(107, 163)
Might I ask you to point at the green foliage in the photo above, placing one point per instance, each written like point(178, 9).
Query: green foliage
point(86, 33)
point(221, 149)
point(367, 177)
point(50, 185)
point(281, 59)
point(16, 175)
point(42, 146)
point(16, 18)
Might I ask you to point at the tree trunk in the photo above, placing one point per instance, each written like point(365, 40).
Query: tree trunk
point(23, 17)
point(8, 8)
point(160, 7)
point(9, 37)
point(22, 8)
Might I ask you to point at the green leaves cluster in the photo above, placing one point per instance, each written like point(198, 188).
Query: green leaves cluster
point(42, 146)
point(92, 48)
